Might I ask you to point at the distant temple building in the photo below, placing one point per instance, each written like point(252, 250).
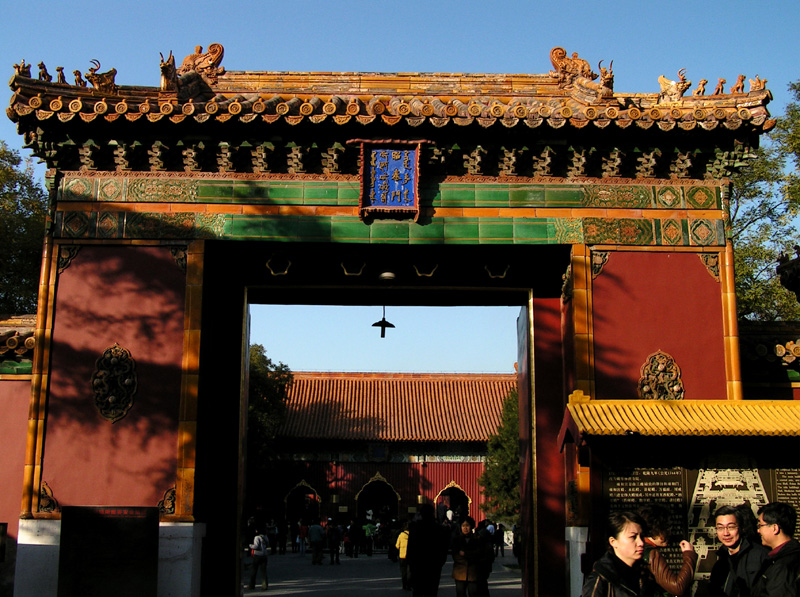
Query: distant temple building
point(601, 215)
point(380, 444)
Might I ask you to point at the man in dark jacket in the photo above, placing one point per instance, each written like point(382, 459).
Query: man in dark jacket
point(738, 558)
point(778, 574)
point(426, 553)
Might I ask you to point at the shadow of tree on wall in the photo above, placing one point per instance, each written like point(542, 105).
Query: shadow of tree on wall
point(133, 297)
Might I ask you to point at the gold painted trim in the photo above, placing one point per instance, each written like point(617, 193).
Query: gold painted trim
point(457, 486)
point(187, 419)
point(45, 313)
point(301, 483)
point(378, 477)
point(730, 325)
point(582, 318)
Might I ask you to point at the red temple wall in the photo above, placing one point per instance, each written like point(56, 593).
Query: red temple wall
point(133, 296)
point(346, 479)
point(550, 472)
point(644, 302)
point(15, 396)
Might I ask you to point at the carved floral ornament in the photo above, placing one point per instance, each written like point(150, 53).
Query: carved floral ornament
point(167, 504)
point(660, 378)
point(114, 383)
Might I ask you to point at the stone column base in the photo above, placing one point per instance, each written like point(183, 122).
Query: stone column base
point(179, 550)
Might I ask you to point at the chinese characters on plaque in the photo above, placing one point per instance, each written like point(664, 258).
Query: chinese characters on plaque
point(389, 179)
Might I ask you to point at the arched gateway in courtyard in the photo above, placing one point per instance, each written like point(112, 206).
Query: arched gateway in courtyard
point(600, 214)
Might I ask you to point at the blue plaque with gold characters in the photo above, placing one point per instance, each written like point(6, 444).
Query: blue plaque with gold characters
point(389, 178)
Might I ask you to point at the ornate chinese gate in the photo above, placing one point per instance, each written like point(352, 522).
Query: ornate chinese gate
point(602, 214)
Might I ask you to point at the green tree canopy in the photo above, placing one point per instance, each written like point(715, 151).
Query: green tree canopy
point(764, 206)
point(501, 476)
point(268, 389)
point(23, 209)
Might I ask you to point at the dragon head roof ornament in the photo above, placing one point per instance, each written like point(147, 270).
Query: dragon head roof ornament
point(575, 73)
point(197, 74)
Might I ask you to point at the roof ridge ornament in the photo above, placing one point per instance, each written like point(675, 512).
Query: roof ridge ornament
point(568, 69)
point(206, 64)
point(102, 82)
point(672, 91)
point(197, 73)
point(576, 74)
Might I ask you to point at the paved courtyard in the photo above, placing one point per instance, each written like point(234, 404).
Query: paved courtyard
point(375, 576)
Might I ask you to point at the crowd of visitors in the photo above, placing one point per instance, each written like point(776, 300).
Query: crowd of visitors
point(756, 558)
point(420, 546)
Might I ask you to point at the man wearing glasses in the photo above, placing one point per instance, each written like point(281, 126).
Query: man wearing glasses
point(740, 557)
point(778, 574)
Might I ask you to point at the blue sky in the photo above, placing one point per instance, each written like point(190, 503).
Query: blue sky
point(644, 39)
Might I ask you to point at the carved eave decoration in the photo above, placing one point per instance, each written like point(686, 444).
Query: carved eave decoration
point(73, 126)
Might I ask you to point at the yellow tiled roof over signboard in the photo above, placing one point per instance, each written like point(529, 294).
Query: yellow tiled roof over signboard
point(766, 418)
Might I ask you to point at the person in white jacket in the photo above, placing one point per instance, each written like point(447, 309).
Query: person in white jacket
point(260, 550)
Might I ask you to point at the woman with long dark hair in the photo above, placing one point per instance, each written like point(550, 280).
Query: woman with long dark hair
point(620, 571)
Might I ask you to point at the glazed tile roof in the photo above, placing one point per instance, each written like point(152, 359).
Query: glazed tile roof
point(571, 94)
point(396, 406)
point(766, 418)
point(17, 342)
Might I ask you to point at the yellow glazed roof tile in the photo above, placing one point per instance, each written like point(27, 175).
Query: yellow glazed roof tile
point(765, 418)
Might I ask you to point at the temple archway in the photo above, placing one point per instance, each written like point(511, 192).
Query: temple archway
point(377, 500)
point(302, 502)
point(452, 499)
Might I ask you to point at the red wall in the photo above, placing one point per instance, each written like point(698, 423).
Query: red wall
point(348, 478)
point(550, 474)
point(133, 296)
point(15, 397)
point(645, 302)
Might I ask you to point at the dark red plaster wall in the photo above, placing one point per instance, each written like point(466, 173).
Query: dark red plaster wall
point(346, 479)
point(15, 397)
point(133, 296)
point(645, 302)
point(550, 481)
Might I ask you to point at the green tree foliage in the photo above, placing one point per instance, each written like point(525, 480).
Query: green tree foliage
point(764, 207)
point(23, 209)
point(268, 389)
point(501, 477)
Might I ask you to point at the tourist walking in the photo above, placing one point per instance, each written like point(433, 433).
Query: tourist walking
point(426, 552)
point(260, 551)
point(402, 551)
point(467, 559)
point(316, 536)
point(334, 536)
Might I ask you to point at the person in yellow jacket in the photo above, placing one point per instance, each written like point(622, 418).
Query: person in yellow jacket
point(402, 547)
